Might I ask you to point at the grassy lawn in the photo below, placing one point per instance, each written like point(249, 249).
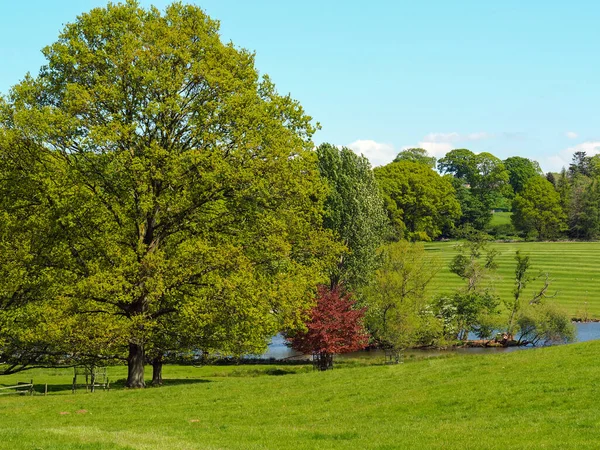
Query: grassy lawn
point(500, 218)
point(543, 398)
point(574, 268)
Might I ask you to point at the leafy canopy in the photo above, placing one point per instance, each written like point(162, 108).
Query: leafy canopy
point(418, 155)
point(354, 212)
point(171, 185)
point(537, 210)
point(398, 314)
point(420, 203)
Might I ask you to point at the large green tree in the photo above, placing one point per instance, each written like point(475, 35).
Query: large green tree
point(583, 208)
point(520, 170)
point(484, 175)
point(537, 210)
point(397, 315)
point(418, 155)
point(420, 203)
point(178, 185)
point(461, 162)
point(475, 306)
point(474, 213)
point(354, 211)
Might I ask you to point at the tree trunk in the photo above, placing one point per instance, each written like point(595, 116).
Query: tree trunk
point(93, 378)
point(324, 361)
point(135, 366)
point(157, 365)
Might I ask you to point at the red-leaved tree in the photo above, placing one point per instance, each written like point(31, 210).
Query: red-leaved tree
point(335, 326)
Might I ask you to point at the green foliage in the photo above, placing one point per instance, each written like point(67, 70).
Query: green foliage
point(535, 320)
point(354, 211)
point(397, 309)
point(462, 312)
point(461, 163)
point(521, 280)
point(563, 187)
point(172, 188)
point(473, 212)
point(546, 324)
point(474, 261)
point(485, 181)
point(501, 227)
point(491, 180)
point(583, 209)
point(520, 170)
point(472, 307)
point(580, 165)
point(537, 210)
point(418, 155)
point(420, 203)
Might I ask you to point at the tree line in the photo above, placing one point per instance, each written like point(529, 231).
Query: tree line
point(377, 292)
point(159, 198)
point(469, 188)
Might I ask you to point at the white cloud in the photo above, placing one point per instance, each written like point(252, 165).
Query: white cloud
point(437, 149)
point(457, 137)
point(442, 137)
point(555, 163)
point(436, 144)
point(571, 135)
point(591, 148)
point(480, 135)
point(376, 152)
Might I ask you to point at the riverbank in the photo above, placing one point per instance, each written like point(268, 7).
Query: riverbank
point(278, 350)
point(529, 399)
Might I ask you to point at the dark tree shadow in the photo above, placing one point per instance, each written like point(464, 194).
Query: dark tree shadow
point(279, 372)
point(118, 384)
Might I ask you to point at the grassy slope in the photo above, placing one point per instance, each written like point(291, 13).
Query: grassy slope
point(500, 218)
point(574, 268)
point(524, 399)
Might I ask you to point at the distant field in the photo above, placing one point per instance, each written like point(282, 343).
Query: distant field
point(574, 268)
point(500, 218)
point(544, 398)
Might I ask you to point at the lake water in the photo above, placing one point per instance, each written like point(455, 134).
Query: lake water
point(279, 350)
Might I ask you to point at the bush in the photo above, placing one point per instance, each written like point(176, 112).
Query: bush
point(546, 324)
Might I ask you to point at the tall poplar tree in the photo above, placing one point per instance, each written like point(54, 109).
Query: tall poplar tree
point(354, 212)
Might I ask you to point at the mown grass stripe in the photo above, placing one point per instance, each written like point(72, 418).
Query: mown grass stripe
point(574, 268)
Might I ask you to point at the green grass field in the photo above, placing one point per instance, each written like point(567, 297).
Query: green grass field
point(500, 218)
point(543, 398)
point(574, 268)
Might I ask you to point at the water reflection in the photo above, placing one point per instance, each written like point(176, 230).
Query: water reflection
point(279, 350)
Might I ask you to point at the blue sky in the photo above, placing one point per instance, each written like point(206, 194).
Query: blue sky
point(507, 77)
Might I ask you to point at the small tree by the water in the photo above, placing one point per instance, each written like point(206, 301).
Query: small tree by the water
point(334, 327)
point(475, 306)
point(534, 320)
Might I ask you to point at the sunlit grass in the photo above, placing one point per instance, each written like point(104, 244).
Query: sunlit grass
point(500, 218)
point(574, 268)
point(544, 398)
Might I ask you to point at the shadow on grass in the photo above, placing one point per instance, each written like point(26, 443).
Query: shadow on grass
point(178, 381)
point(118, 384)
point(279, 372)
